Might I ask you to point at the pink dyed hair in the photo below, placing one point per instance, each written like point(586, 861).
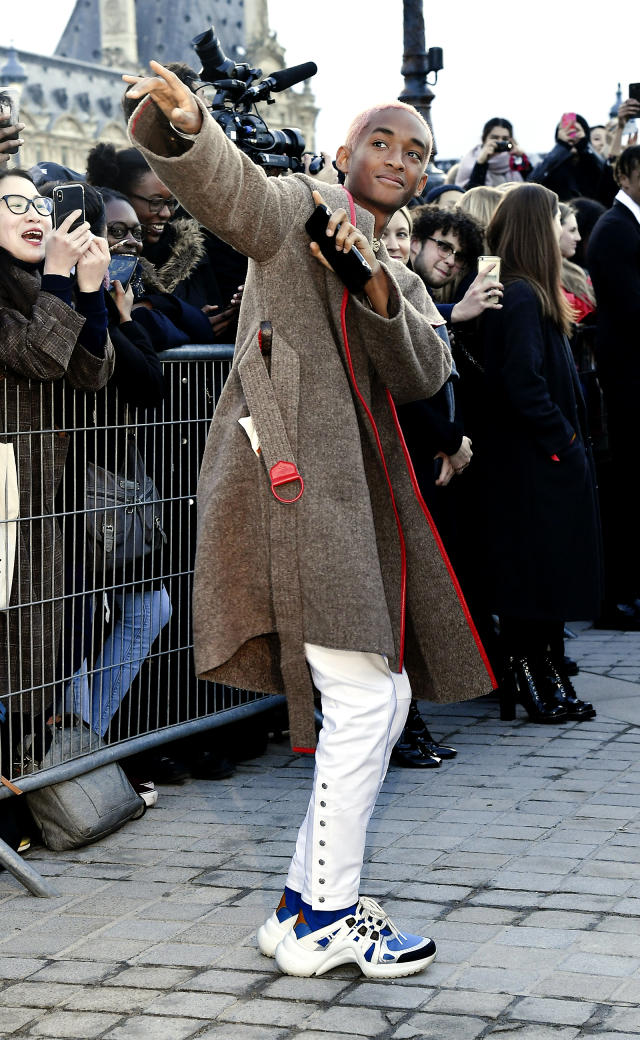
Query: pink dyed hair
point(362, 120)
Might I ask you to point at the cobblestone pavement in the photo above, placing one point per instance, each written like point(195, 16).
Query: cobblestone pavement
point(521, 858)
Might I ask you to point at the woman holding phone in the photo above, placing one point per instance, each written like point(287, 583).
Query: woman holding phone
point(43, 341)
point(573, 168)
point(542, 531)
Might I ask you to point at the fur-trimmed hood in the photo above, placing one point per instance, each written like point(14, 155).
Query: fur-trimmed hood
point(187, 250)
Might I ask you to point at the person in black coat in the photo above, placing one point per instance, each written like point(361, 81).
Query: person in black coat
point(572, 167)
point(614, 264)
point(540, 501)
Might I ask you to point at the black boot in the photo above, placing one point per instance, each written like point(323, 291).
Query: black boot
point(411, 753)
point(563, 693)
point(417, 726)
point(522, 685)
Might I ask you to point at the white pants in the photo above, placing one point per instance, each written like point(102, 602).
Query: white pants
point(365, 707)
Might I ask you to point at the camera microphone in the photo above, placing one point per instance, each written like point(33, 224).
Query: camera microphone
point(281, 80)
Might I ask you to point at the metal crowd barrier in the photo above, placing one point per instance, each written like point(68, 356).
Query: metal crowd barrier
point(75, 630)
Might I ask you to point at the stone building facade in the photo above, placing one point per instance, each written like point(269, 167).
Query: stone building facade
point(71, 100)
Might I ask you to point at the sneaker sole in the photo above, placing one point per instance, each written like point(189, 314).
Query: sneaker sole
point(293, 959)
point(272, 932)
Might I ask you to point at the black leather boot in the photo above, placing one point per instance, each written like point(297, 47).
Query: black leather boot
point(521, 684)
point(563, 693)
point(411, 753)
point(417, 726)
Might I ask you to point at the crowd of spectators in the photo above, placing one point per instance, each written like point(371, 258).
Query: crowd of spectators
point(509, 454)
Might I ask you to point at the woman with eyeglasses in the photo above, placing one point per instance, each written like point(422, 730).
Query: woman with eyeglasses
point(44, 340)
point(178, 280)
point(539, 508)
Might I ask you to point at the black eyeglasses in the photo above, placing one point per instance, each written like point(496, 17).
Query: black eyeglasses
point(446, 250)
point(156, 204)
point(19, 204)
point(120, 230)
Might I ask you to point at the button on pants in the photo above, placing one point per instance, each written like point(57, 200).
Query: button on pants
point(364, 706)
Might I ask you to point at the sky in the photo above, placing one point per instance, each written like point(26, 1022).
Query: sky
point(528, 62)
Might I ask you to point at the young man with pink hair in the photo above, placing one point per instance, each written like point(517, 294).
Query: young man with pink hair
point(317, 565)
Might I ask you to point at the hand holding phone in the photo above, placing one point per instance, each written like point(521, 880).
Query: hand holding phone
point(64, 247)
point(9, 127)
point(122, 267)
point(350, 265)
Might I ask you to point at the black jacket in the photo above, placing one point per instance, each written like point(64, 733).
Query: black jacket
point(614, 265)
point(541, 516)
point(571, 175)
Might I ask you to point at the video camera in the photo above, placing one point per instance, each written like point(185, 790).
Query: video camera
point(228, 91)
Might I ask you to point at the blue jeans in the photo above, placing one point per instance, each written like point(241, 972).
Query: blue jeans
point(142, 616)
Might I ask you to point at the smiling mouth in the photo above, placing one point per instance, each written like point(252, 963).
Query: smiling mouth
point(391, 180)
point(33, 236)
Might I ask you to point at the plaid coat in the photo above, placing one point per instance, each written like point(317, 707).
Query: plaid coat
point(332, 567)
point(38, 345)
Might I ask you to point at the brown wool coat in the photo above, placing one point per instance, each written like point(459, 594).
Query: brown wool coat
point(327, 568)
point(34, 351)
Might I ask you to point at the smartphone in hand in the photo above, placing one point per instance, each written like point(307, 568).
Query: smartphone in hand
point(66, 198)
point(123, 267)
point(351, 267)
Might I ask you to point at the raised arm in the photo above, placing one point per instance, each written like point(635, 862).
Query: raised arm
point(215, 182)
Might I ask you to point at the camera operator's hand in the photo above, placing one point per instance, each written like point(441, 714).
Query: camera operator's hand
point(483, 293)
point(64, 248)
point(171, 96)
point(8, 146)
point(488, 149)
point(93, 265)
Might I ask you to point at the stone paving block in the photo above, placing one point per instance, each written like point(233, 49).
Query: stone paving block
point(538, 1032)
point(600, 964)
point(269, 1012)
point(354, 1021)
point(106, 949)
point(496, 980)
point(577, 986)
point(147, 1027)
point(552, 1012)
point(124, 1000)
point(14, 1018)
point(141, 977)
point(621, 944)
point(176, 954)
point(439, 1027)
point(386, 995)
point(469, 1002)
point(37, 994)
point(19, 967)
point(486, 915)
point(191, 1005)
point(222, 981)
point(562, 919)
point(539, 938)
point(321, 990)
point(579, 901)
point(246, 1032)
point(622, 1020)
point(72, 1024)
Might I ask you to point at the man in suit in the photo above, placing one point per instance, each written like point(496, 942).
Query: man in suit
point(614, 264)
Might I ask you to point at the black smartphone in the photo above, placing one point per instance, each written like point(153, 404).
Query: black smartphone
point(66, 198)
point(351, 267)
point(634, 91)
point(123, 267)
point(8, 118)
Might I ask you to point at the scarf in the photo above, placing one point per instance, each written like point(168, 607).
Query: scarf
point(498, 168)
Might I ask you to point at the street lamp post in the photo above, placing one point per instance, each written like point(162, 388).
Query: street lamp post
point(417, 63)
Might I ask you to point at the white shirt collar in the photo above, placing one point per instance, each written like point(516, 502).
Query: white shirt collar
point(627, 201)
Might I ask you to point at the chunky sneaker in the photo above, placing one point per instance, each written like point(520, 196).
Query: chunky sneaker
point(277, 926)
point(366, 938)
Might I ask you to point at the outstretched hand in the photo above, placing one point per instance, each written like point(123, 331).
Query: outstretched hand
point(171, 96)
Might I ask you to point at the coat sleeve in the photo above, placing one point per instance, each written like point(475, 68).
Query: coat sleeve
point(515, 351)
point(85, 371)
point(613, 266)
point(409, 356)
point(218, 184)
point(39, 347)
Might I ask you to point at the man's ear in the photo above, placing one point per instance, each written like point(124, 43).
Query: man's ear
point(422, 184)
point(342, 158)
point(415, 247)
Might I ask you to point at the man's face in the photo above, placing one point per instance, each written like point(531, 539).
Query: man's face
point(631, 184)
point(438, 258)
point(386, 167)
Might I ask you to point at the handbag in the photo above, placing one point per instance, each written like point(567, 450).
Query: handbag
point(76, 812)
point(123, 512)
point(9, 515)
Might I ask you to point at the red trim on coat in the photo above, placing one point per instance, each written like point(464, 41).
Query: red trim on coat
point(304, 750)
point(148, 102)
point(439, 542)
